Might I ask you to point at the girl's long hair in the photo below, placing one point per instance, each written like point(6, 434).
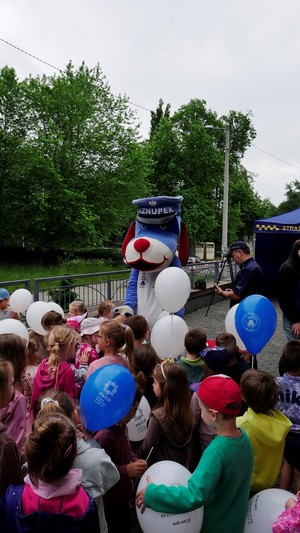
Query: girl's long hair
point(58, 340)
point(144, 360)
point(175, 395)
point(121, 339)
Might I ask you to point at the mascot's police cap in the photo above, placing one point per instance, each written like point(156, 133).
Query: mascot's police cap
point(158, 209)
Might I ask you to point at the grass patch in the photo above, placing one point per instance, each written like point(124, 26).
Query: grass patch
point(12, 272)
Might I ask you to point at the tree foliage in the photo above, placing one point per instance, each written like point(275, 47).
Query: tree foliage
point(72, 161)
point(292, 198)
point(78, 162)
point(187, 152)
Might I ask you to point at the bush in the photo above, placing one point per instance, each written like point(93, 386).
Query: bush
point(64, 294)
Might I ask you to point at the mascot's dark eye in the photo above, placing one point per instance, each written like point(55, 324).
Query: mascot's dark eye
point(163, 226)
point(143, 226)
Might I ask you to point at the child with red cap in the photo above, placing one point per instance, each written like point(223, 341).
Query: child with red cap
point(221, 481)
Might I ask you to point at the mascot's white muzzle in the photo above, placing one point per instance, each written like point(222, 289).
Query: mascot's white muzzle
point(148, 254)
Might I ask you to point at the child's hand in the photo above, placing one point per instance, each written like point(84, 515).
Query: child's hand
point(291, 502)
point(246, 356)
point(137, 468)
point(84, 358)
point(141, 494)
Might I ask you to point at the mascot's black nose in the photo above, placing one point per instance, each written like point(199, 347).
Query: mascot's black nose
point(141, 245)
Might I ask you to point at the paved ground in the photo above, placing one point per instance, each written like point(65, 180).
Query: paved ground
point(214, 323)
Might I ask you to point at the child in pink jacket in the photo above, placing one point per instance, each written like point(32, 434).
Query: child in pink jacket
point(52, 498)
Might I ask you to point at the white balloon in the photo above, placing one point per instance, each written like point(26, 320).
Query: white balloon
point(34, 315)
point(167, 336)
point(11, 325)
point(264, 509)
point(20, 300)
point(137, 427)
point(230, 327)
point(172, 288)
point(53, 306)
point(168, 473)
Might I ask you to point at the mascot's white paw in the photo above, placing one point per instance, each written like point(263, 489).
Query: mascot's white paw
point(124, 310)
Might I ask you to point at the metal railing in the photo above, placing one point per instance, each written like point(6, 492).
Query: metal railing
point(25, 284)
point(209, 271)
point(91, 288)
point(95, 287)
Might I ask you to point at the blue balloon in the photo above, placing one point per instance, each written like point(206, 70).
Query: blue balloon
point(255, 321)
point(106, 397)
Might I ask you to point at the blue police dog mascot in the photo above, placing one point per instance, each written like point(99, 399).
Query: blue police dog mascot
point(150, 246)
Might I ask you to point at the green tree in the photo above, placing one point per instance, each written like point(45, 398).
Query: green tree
point(292, 198)
point(81, 163)
point(188, 159)
point(13, 134)
point(158, 115)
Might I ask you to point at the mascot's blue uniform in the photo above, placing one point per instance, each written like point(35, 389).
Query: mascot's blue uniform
point(150, 246)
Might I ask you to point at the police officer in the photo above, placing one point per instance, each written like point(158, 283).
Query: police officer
point(249, 279)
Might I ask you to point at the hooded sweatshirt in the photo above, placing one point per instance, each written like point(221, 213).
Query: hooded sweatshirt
point(169, 441)
point(99, 474)
point(61, 506)
point(65, 496)
point(63, 380)
point(267, 436)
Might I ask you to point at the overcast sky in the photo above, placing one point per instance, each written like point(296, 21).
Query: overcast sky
point(235, 54)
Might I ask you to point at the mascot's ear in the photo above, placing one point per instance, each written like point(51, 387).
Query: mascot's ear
point(183, 245)
point(129, 235)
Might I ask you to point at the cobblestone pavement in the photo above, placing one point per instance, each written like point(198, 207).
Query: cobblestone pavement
point(214, 323)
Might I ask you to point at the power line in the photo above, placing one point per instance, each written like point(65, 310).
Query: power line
point(275, 157)
point(143, 107)
point(269, 166)
point(56, 68)
point(31, 55)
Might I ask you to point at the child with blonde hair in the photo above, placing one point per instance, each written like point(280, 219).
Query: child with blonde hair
point(106, 310)
point(77, 312)
point(117, 345)
point(9, 456)
point(171, 423)
point(55, 371)
point(77, 308)
point(52, 498)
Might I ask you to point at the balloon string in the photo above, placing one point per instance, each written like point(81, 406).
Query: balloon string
point(138, 479)
point(172, 316)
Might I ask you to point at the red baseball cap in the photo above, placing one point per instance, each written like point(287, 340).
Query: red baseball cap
point(217, 392)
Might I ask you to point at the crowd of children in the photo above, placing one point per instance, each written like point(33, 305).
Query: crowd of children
point(209, 412)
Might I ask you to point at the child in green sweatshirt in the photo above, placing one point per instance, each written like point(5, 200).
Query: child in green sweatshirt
point(221, 481)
